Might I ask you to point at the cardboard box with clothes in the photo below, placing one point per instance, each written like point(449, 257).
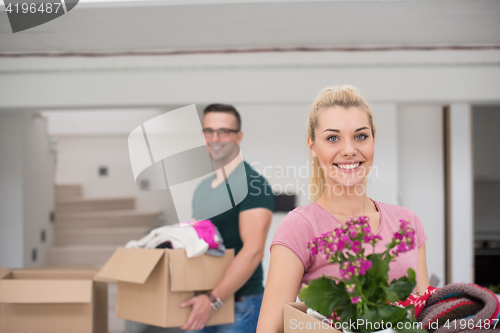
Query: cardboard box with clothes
point(153, 282)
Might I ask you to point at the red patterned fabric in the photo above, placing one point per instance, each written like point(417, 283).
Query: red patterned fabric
point(418, 301)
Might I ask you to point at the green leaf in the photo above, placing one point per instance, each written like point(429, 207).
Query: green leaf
point(392, 296)
point(369, 288)
point(391, 313)
point(411, 274)
point(402, 288)
point(379, 268)
point(348, 313)
point(324, 295)
point(404, 285)
point(371, 315)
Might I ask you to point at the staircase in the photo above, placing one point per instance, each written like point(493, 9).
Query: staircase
point(88, 230)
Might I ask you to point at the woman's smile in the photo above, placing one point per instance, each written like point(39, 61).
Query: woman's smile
point(348, 166)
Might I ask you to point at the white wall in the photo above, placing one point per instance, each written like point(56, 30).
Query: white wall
point(274, 143)
point(421, 176)
point(38, 187)
point(462, 193)
point(11, 191)
point(26, 191)
point(89, 139)
point(268, 78)
point(383, 178)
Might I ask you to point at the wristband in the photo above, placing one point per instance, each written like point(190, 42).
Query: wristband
point(215, 302)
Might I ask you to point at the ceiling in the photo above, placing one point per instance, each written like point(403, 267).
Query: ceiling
point(195, 25)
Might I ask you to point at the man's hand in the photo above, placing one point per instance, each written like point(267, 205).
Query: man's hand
point(200, 313)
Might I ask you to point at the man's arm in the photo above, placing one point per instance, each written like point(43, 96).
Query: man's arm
point(254, 225)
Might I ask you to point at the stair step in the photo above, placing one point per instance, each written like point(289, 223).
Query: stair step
point(98, 236)
point(106, 219)
point(93, 204)
point(64, 191)
point(79, 255)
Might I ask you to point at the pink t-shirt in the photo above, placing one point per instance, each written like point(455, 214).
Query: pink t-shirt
point(304, 223)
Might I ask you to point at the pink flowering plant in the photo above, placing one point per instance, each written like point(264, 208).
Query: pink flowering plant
point(363, 291)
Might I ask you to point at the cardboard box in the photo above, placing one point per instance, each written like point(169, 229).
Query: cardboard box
point(153, 282)
point(297, 320)
point(52, 300)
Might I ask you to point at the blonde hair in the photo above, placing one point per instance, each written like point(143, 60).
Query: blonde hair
point(344, 96)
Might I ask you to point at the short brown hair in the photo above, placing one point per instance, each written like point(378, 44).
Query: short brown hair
point(226, 108)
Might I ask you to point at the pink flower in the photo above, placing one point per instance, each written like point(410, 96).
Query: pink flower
point(356, 246)
point(365, 265)
point(402, 247)
point(410, 236)
point(350, 288)
point(344, 238)
point(353, 232)
point(403, 224)
point(397, 235)
point(355, 299)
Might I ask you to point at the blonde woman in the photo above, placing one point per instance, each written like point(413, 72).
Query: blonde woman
point(341, 139)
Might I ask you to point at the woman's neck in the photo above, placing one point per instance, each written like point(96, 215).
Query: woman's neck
point(347, 204)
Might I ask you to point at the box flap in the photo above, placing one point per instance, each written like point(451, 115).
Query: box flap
point(200, 273)
point(131, 265)
point(3, 272)
point(45, 291)
point(55, 273)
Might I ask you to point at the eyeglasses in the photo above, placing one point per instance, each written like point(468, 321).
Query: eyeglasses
point(221, 132)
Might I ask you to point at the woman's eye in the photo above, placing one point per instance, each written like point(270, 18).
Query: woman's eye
point(361, 136)
point(333, 138)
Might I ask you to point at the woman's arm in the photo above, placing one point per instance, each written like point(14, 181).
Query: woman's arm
point(282, 285)
point(423, 277)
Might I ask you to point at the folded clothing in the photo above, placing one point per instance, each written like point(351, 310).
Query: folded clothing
point(209, 233)
point(206, 231)
point(461, 307)
point(180, 238)
point(221, 250)
point(418, 301)
point(196, 238)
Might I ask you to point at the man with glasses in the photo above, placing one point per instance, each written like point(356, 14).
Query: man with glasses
point(243, 227)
